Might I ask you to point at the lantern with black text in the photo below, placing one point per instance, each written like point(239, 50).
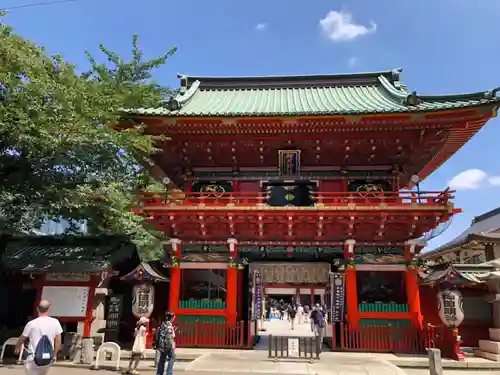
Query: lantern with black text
point(450, 307)
point(143, 296)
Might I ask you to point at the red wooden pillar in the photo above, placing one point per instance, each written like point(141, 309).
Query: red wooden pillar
point(351, 286)
point(232, 284)
point(175, 277)
point(412, 288)
point(87, 323)
point(239, 311)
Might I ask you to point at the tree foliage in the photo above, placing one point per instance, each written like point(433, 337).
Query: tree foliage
point(60, 157)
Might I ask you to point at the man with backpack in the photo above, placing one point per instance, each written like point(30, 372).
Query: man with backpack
point(44, 341)
point(165, 344)
point(318, 323)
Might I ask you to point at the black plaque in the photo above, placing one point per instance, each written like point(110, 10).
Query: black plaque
point(114, 312)
point(337, 290)
point(257, 295)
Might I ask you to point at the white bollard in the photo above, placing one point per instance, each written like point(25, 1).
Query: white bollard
point(109, 345)
point(12, 342)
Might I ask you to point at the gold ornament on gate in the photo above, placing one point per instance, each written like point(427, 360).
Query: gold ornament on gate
point(212, 190)
point(373, 190)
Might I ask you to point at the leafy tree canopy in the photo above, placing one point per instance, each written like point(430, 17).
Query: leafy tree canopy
point(59, 155)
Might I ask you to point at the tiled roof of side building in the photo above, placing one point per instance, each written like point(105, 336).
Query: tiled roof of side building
point(340, 94)
point(481, 226)
point(65, 253)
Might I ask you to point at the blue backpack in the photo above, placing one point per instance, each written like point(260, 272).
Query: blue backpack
point(319, 318)
point(44, 352)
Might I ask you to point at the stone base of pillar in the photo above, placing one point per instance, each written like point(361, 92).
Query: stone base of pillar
point(87, 350)
point(490, 349)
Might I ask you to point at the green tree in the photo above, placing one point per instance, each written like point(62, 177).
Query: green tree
point(60, 156)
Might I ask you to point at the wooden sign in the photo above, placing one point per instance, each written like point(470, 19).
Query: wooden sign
point(289, 162)
point(293, 273)
point(67, 301)
point(114, 310)
point(337, 290)
point(293, 347)
point(68, 277)
point(257, 295)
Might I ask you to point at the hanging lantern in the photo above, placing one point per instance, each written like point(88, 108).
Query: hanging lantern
point(450, 307)
point(143, 297)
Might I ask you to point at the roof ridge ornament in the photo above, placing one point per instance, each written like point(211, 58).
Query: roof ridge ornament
point(184, 83)
point(173, 104)
point(413, 99)
point(396, 73)
point(492, 94)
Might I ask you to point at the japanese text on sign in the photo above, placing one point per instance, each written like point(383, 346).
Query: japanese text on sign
point(337, 290)
point(258, 296)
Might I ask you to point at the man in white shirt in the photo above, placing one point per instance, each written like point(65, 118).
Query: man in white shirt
point(33, 332)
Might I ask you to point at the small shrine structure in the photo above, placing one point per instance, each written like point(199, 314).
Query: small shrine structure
point(150, 294)
point(71, 272)
point(454, 298)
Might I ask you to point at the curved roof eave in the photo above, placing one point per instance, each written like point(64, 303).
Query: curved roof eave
point(481, 228)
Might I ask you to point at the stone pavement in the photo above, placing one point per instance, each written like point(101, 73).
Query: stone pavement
point(257, 362)
point(246, 363)
point(421, 371)
point(281, 328)
point(218, 361)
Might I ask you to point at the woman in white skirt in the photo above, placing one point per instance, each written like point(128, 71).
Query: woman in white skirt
point(139, 346)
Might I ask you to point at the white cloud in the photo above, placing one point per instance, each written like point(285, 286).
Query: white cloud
point(495, 180)
point(469, 179)
point(352, 61)
point(261, 27)
point(339, 26)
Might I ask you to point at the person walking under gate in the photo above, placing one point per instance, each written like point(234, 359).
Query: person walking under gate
point(318, 324)
point(300, 314)
point(165, 343)
point(292, 313)
point(306, 314)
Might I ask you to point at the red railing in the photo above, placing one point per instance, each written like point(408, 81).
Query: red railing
point(383, 339)
point(402, 198)
point(210, 335)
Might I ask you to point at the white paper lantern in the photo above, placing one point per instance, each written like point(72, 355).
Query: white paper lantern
point(143, 298)
point(450, 307)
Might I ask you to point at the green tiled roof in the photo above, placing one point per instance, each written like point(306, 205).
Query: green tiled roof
point(343, 94)
point(65, 253)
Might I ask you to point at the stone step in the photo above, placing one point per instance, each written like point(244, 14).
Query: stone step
point(490, 356)
point(489, 346)
point(495, 334)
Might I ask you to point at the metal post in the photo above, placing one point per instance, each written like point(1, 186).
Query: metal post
point(318, 346)
point(270, 345)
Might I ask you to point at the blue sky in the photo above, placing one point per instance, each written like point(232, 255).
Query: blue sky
point(444, 46)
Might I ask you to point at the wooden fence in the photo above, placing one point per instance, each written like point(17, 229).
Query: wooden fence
point(382, 339)
point(210, 335)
